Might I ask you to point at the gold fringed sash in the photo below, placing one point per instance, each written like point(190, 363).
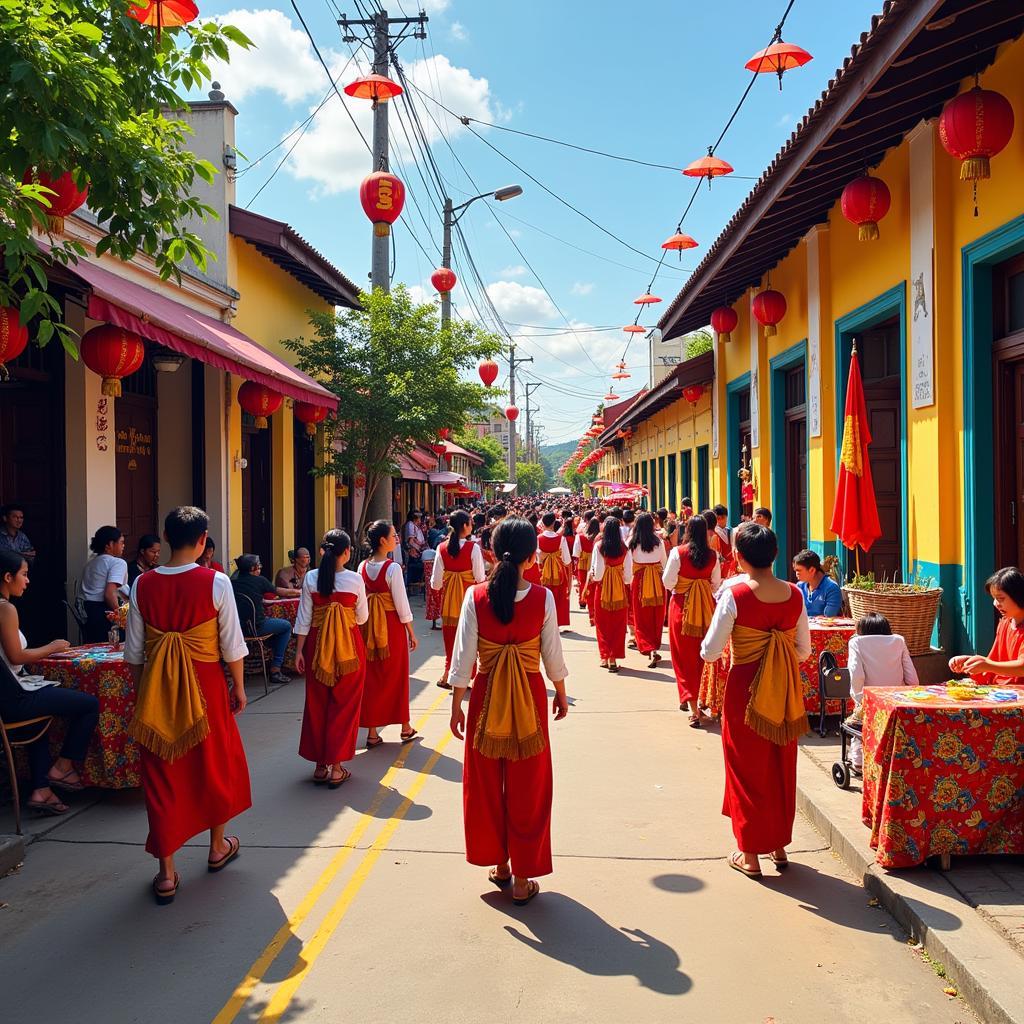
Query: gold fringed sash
point(776, 709)
point(584, 563)
point(376, 629)
point(613, 588)
point(550, 568)
point(454, 593)
point(652, 590)
point(170, 709)
point(335, 654)
point(508, 725)
point(700, 604)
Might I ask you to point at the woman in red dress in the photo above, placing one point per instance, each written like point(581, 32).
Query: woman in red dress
point(647, 593)
point(1004, 665)
point(510, 626)
point(555, 566)
point(389, 637)
point(457, 566)
point(692, 576)
point(611, 569)
point(332, 655)
point(764, 714)
point(582, 551)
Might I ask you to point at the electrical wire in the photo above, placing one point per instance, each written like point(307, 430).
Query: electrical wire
point(299, 127)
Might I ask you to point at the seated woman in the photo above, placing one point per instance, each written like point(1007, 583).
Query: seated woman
point(288, 581)
point(146, 557)
point(822, 595)
point(103, 576)
point(18, 705)
point(1005, 662)
point(208, 558)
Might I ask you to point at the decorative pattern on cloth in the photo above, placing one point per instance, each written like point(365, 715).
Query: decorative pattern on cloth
point(647, 576)
point(376, 629)
point(170, 710)
point(508, 726)
point(335, 655)
point(942, 776)
point(700, 604)
point(776, 708)
point(613, 589)
point(453, 594)
point(550, 568)
point(279, 608)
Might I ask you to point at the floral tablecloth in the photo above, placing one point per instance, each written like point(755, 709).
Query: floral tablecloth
point(942, 777)
point(113, 758)
point(284, 608)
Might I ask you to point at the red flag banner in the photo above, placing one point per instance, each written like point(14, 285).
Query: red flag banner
point(855, 515)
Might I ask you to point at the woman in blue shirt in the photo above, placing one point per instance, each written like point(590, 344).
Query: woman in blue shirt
point(822, 595)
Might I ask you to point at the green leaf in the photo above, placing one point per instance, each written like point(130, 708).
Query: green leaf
point(87, 30)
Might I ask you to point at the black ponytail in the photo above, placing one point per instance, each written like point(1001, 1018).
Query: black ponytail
point(514, 540)
point(644, 536)
point(695, 540)
point(378, 532)
point(334, 544)
point(456, 523)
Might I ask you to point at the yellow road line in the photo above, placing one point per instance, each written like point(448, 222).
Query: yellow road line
point(286, 990)
point(260, 965)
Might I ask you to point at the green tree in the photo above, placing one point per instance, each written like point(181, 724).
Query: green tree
point(398, 376)
point(529, 477)
point(697, 343)
point(488, 448)
point(85, 89)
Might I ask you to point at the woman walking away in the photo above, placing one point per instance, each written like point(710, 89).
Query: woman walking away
point(692, 575)
point(612, 571)
point(458, 565)
point(555, 566)
point(648, 592)
point(588, 588)
point(332, 655)
point(389, 638)
point(510, 626)
point(764, 708)
point(582, 551)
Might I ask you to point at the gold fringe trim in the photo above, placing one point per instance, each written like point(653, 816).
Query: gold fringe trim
point(449, 621)
point(261, 422)
point(691, 630)
point(769, 330)
point(510, 748)
point(346, 668)
point(382, 230)
point(111, 387)
point(725, 336)
point(868, 231)
point(779, 733)
point(974, 168)
point(160, 747)
point(378, 653)
point(613, 606)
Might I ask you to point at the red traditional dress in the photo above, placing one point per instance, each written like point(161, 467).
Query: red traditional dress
point(724, 536)
point(207, 784)
point(648, 597)
point(452, 577)
point(760, 775)
point(1007, 646)
point(612, 577)
point(432, 602)
point(555, 571)
point(689, 615)
point(507, 802)
point(582, 550)
point(328, 629)
point(386, 689)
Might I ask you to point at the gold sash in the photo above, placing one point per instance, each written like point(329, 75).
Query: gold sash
point(652, 590)
point(776, 710)
point(551, 568)
point(700, 604)
point(583, 565)
point(613, 589)
point(508, 726)
point(335, 654)
point(376, 629)
point(170, 709)
point(454, 593)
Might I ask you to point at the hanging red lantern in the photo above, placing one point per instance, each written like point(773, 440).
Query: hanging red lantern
point(724, 321)
point(163, 14)
point(438, 448)
point(769, 307)
point(66, 199)
point(634, 329)
point(865, 201)
point(383, 196)
point(311, 415)
point(693, 393)
point(488, 370)
point(113, 353)
point(708, 167)
point(259, 401)
point(448, 457)
point(378, 88)
point(646, 299)
point(780, 57)
point(512, 413)
point(444, 433)
point(679, 242)
point(13, 337)
point(444, 280)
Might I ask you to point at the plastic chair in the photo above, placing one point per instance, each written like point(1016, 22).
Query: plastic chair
point(5, 729)
point(834, 684)
point(257, 640)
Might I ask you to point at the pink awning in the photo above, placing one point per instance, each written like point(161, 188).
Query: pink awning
point(443, 479)
point(116, 300)
point(410, 470)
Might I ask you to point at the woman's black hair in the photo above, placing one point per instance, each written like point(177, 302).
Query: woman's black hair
point(670, 528)
point(514, 540)
point(1010, 580)
point(808, 559)
point(710, 519)
point(532, 520)
point(695, 540)
point(210, 543)
point(335, 544)
point(568, 530)
point(479, 520)
point(873, 624)
point(611, 538)
point(644, 536)
point(485, 538)
point(548, 520)
point(628, 516)
point(378, 531)
point(104, 535)
point(593, 527)
point(147, 540)
point(11, 562)
point(662, 515)
point(457, 521)
point(757, 544)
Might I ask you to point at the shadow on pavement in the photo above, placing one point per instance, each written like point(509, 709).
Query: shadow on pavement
point(677, 883)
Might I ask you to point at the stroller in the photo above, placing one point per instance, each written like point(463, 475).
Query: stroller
point(834, 684)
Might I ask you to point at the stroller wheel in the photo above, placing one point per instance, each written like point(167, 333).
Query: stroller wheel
point(841, 774)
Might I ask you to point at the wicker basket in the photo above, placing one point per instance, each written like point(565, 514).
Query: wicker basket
point(911, 613)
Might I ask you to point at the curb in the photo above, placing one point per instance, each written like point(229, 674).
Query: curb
point(12, 853)
point(985, 969)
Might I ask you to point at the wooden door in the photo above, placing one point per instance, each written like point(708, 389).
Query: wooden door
point(257, 498)
point(796, 462)
point(135, 468)
point(305, 525)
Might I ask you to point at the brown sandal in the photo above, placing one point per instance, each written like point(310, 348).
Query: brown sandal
point(532, 889)
point(235, 845)
point(165, 896)
point(736, 863)
point(335, 783)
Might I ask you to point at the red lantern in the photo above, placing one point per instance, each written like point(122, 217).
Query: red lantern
point(444, 280)
point(64, 202)
point(865, 202)
point(724, 321)
point(769, 307)
point(780, 57)
point(512, 413)
point(708, 167)
point(13, 337)
point(444, 433)
point(974, 127)
point(693, 393)
point(311, 415)
point(259, 401)
point(438, 449)
point(448, 457)
point(679, 242)
point(488, 370)
point(113, 353)
point(378, 88)
point(383, 196)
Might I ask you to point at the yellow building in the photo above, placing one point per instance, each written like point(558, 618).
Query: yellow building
point(935, 307)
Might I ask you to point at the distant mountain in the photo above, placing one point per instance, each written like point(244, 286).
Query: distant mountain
point(558, 453)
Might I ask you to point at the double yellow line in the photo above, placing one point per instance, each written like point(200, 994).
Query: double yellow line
point(285, 991)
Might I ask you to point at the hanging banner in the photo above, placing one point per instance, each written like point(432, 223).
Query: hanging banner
point(922, 248)
point(813, 240)
point(714, 403)
point(755, 341)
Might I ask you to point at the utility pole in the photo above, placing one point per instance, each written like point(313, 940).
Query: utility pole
point(513, 362)
point(530, 388)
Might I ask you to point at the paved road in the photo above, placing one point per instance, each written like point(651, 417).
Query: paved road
point(357, 905)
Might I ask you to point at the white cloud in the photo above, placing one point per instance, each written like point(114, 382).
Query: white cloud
point(784, 121)
point(458, 31)
point(434, 6)
point(517, 271)
point(521, 303)
point(419, 294)
point(582, 287)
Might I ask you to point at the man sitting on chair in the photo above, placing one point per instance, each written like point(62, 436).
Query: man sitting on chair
point(251, 584)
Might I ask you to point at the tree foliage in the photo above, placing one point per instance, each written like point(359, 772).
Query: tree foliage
point(399, 379)
point(697, 343)
point(488, 448)
point(529, 477)
point(84, 89)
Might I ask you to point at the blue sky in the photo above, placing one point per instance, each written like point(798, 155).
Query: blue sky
point(655, 82)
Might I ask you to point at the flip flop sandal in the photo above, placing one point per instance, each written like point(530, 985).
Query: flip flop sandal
point(370, 744)
point(320, 780)
point(408, 737)
point(165, 896)
point(214, 866)
point(613, 668)
point(335, 783)
point(738, 865)
point(498, 880)
point(694, 723)
point(781, 864)
point(532, 889)
point(61, 782)
point(54, 808)
point(444, 684)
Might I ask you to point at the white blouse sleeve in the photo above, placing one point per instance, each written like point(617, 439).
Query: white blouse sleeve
point(464, 650)
point(135, 631)
point(398, 594)
point(551, 643)
point(577, 547)
point(566, 556)
point(716, 575)
point(476, 557)
point(304, 615)
point(597, 565)
point(663, 559)
point(803, 634)
point(437, 573)
point(722, 621)
point(627, 568)
point(232, 642)
point(362, 607)
point(670, 576)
